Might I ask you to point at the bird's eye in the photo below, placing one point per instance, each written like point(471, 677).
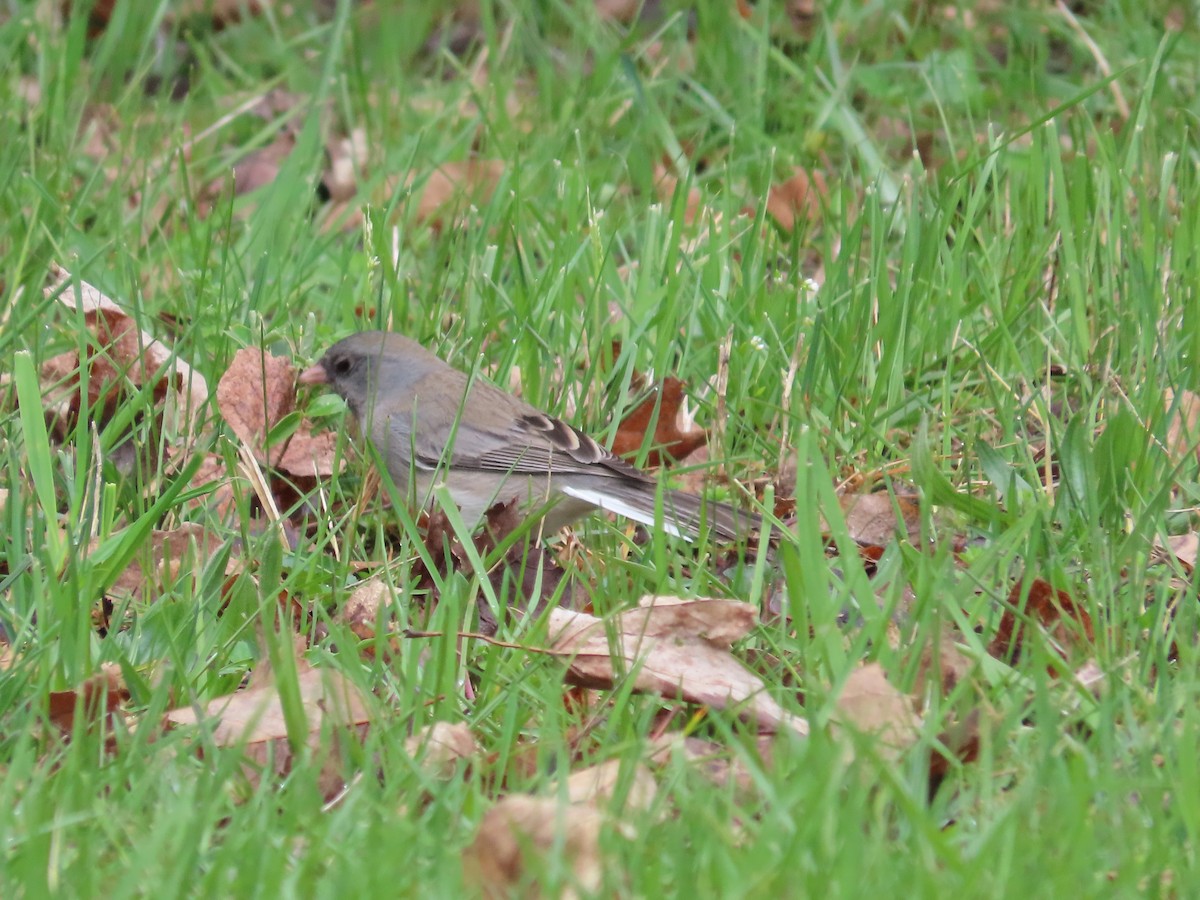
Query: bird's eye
point(342, 366)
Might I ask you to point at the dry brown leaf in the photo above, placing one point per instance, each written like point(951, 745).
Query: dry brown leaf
point(871, 518)
point(1064, 622)
point(253, 720)
point(715, 761)
point(599, 786)
point(666, 184)
point(157, 565)
point(129, 352)
point(348, 158)
point(962, 743)
point(797, 200)
point(869, 704)
point(255, 393)
point(261, 167)
point(453, 185)
point(442, 746)
point(673, 438)
point(361, 610)
point(440, 200)
point(308, 454)
point(101, 694)
point(1183, 431)
point(950, 666)
point(212, 471)
point(520, 829)
point(1184, 547)
point(674, 648)
point(219, 13)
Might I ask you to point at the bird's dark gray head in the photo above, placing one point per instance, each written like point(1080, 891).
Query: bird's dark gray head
point(356, 365)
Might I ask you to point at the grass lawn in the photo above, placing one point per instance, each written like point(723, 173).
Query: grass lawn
point(929, 277)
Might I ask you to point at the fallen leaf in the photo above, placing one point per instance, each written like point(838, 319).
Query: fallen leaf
point(452, 186)
point(962, 743)
point(660, 415)
point(718, 762)
point(675, 648)
point(260, 167)
point(666, 184)
point(949, 665)
point(308, 454)
point(160, 560)
point(871, 518)
point(797, 200)
point(253, 721)
point(362, 608)
point(212, 471)
point(1183, 429)
point(256, 392)
point(600, 785)
point(869, 704)
point(99, 695)
point(442, 747)
point(126, 351)
point(623, 11)
point(1063, 621)
point(347, 155)
point(1184, 547)
point(439, 200)
point(518, 831)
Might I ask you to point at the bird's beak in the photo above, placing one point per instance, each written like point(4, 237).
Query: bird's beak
point(314, 375)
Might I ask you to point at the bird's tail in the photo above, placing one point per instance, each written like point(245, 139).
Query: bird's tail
point(696, 514)
point(683, 515)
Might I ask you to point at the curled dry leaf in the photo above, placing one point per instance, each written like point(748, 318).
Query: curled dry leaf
point(99, 695)
point(674, 648)
point(601, 784)
point(1183, 547)
point(715, 761)
point(348, 157)
point(126, 351)
point(1183, 429)
point(660, 415)
point(1063, 621)
point(261, 167)
point(254, 721)
point(442, 746)
point(797, 201)
point(362, 608)
point(454, 184)
point(869, 704)
point(521, 828)
point(518, 830)
point(256, 392)
point(946, 664)
point(162, 559)
point(872, 518)
point(666, 184)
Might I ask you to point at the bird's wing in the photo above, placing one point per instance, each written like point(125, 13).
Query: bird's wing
point(526, 442)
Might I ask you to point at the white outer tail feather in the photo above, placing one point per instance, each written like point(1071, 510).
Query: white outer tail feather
point(612, 504)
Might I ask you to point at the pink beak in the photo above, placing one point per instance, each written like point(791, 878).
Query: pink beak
point(314, 375)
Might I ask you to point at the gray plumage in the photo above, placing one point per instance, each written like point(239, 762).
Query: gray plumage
point(434, 424)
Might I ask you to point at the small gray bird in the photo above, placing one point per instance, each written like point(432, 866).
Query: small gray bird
point(433, 424)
